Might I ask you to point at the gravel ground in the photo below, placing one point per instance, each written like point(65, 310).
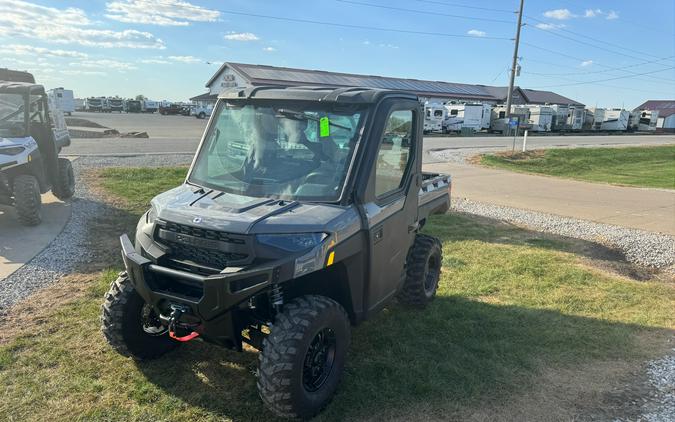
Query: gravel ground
point(69, 247)
point(643, 248)
point(661, 404)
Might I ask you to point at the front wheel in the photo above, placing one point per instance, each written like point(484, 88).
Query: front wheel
point(303, 357)
point(27, 199)
point(201, 115)
point(64, 188)
point(423, 270)
point(130, 325)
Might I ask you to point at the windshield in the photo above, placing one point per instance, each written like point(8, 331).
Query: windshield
point(285, 152)
point(12, 116)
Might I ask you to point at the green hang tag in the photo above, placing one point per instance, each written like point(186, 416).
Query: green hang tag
point(324, 127)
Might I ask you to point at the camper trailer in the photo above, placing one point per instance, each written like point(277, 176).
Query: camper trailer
point(559, 122)
point(96, 104)
point(62, 99)
point(149, 106)
point(499, 120)
point(541, 118)
point(116, 104)
point(643, 120)
point(486, 116)
point(610, 119)
point(461, 116)
point(575, 117)
point(434, 115)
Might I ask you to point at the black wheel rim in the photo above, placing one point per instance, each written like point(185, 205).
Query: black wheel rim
point(432, 274)
point(319, 360)
point(150, 321)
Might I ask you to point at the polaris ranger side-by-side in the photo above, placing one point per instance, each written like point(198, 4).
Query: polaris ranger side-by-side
point(31, 138)
point(299, 217)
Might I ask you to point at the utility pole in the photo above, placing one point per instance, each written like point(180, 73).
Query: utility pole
point(514, 63)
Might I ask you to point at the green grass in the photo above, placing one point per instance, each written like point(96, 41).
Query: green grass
point(652, 167)
point(511, 302)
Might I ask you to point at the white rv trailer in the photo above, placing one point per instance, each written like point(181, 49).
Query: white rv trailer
point(62, 99)
point(499, 122)
point(646, 120)
point(80, 104)
point(610, 119)
point(461, 116)
point(149, 106)
point(541, 118)
point(575, 117)
point(560, 116)
point(486, 117)
point(434, 114)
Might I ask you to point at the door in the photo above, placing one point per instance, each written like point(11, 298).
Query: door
point(392, 208)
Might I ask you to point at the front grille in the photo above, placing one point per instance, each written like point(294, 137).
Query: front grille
point(212, 249)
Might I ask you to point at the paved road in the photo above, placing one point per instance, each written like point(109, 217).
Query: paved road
point(19, 244)
point(644, 209)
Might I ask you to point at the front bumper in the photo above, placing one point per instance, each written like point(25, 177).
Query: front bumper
point(211, 299)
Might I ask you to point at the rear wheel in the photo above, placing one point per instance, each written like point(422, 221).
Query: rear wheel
point(64, 188)
point(423, 271)
point(27, 199)
point(201, 115)
point(303, 358)
point(130, 325)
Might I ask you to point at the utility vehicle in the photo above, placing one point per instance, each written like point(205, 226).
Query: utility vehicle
point(31, 138)
point(299, 217)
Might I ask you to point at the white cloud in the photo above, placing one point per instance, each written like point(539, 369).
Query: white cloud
point(83, 72)
point(559, 14)
point(154, 61)
point(269, 49)
point(476, 33)
point(612, 15)
point(241, 36)
point(392, 46)
point(549, 26)
point(185, 59)
point(591, 13)
point(163, 12)
point(586, 63)
point(366, 42)
point(22, 19)
point(104, 64)
point(29, 50)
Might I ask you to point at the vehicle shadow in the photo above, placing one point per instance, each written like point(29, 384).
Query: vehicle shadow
point(457, 352)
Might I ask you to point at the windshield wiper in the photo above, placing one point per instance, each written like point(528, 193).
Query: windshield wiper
point(298, 115)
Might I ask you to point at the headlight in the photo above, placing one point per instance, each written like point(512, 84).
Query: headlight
point(292, 242)
point(11, 150)
point(151, 215)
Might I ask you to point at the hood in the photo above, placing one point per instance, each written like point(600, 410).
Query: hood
point(16, 142)
point(241, 214)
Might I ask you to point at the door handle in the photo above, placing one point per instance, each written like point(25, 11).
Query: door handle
point(379, 234)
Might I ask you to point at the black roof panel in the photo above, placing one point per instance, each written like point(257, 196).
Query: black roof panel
point(351, 95)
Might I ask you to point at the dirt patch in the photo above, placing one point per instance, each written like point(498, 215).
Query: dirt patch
point(79, 122)
point(520, 155)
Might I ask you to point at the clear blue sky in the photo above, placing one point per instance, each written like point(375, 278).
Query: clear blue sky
point(167, 49)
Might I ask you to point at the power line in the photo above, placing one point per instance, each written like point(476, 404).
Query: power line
point(608, 79)
point(353, 26)
point(424, 12)
point(580, 59)
point(591, 38)
point(605, 49)
point(612, 69)
point(463, 6)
